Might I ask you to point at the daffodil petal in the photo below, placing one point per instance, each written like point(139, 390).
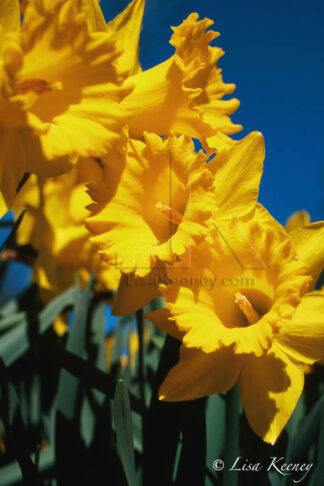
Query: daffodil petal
point(258, 262)
point(297, 220)
point(303, 336)
point(184, 94)
point(158, 202)
point(238, 177)
point(12, 171)
point(198, 374)
point(270, 386)
point(53, 225)
point(9, 17)
point(127, 26)
point(95, 16)
point(309, 242)
point(162, 318)
point(65, 86)
point(135, 292)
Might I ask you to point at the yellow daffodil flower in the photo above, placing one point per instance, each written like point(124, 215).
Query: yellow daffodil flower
point(155, 203)
point(184, 94)
point(54, 226)
point(142, 195)
point(60, 94)
point(244, 316)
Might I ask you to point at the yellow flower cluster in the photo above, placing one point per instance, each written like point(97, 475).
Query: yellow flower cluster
point(238, 287)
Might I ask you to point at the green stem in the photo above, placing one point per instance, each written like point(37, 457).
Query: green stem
point(231, 445)
point(141, 377)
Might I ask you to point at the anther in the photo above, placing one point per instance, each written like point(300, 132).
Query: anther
point(171, 214)
point(246, 307)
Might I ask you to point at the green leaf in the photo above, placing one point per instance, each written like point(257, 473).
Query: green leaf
point(124, 431)
point(292, 428)
point(158, 341)
point(120, 338)
point(232, 430)
point(308, 432)
point(11, 474)
point(69, 384)
point(320, 453)
point(16, 431)
point(14, 343)
point(215, 420)
point(96, 356)
point(55, 307)
point(138, 432)
point(12, 320)
point(71, 460)
point(91, 376)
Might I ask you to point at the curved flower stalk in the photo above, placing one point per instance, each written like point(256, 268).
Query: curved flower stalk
point(243, 308)
point(54, 226)
point(184, 94)
point(60, 94)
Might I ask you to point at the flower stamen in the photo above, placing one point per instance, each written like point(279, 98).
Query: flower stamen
point(171, 214)
point(38, 86)
point(246, 307)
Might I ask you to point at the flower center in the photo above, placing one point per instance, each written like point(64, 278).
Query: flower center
point(38, 86)
point(246, 307)
point(171, 214)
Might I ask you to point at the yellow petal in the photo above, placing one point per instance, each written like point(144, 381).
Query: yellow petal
point(198, 374)
point(184, 94)
point(158, 202)
point(297, 220)
point(9, 17)
point(12, 167)
point(309, 242)
point(127, 26)
point(95, 16)
point(270, 387)
point(70, 100)
point(53, 225)
point(16, 147)
point(303, 336)
point(251, 259)
point(107, 277)
point(237, 177)
point(133, 348)
point(163, 319)
point(60, 325)
point(135, 292)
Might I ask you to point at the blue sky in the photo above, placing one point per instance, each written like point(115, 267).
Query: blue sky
point(274, 53)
